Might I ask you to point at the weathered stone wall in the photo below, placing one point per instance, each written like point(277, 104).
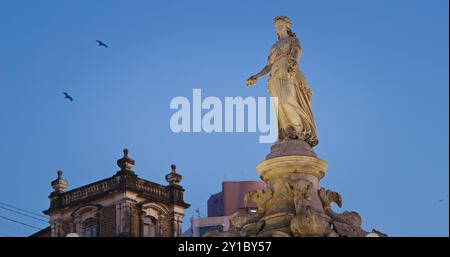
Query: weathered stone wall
point(107, 223)
point(67, 226)
point(135, 221)
point(166, 224)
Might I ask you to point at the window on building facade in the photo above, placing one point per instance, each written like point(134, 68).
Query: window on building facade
point(149, 227)
point(90, 227)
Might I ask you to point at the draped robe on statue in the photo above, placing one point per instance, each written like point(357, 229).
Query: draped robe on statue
point(287, 83)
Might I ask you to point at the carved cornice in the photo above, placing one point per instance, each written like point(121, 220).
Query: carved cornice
point(119, 182)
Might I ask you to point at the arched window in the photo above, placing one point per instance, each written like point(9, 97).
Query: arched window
point(149, 227)
point(90, 227)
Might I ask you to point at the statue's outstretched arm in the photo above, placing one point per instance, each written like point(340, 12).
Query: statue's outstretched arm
point(263, 72)
point(252, 80)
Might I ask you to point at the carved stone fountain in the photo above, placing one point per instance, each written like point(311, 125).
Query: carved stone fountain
point(293, 203)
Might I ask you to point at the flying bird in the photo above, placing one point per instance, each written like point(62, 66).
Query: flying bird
point(100, 43)
point(67, 96)
point(441, 200)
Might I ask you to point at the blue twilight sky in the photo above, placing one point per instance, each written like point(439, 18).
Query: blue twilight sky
point(378, 71)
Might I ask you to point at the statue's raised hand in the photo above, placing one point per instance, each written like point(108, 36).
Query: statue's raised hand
point(251, 81)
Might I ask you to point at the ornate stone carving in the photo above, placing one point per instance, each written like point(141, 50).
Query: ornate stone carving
point(292, 205)
point(59, 184)
point(288, 147)
point(261, 197)
point(346, 223)
point(125, 163)
point(173, 177)
point(309, 223)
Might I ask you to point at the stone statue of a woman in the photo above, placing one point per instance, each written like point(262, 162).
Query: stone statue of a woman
point(288, 85)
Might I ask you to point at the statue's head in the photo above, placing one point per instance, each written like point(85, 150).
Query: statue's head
point(283, 27)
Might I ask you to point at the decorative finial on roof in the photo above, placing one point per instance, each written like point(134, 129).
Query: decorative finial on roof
point(59, 184)
point(125, 163)
point(173, 177)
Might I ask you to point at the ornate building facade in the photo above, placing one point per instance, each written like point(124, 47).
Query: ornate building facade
point(121, 205)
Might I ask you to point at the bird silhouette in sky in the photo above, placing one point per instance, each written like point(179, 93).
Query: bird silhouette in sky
point(441, 200)
point(100, 43)
point(67, 96)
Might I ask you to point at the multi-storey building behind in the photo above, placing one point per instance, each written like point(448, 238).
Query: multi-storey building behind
point(222, 205)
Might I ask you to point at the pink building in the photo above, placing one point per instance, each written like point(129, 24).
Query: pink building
point(231, 198)
point(221, 205)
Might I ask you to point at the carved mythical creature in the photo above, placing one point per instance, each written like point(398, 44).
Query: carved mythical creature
point(306, 222)
point(300, 191)
point(260, 197)
point(346, 223)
